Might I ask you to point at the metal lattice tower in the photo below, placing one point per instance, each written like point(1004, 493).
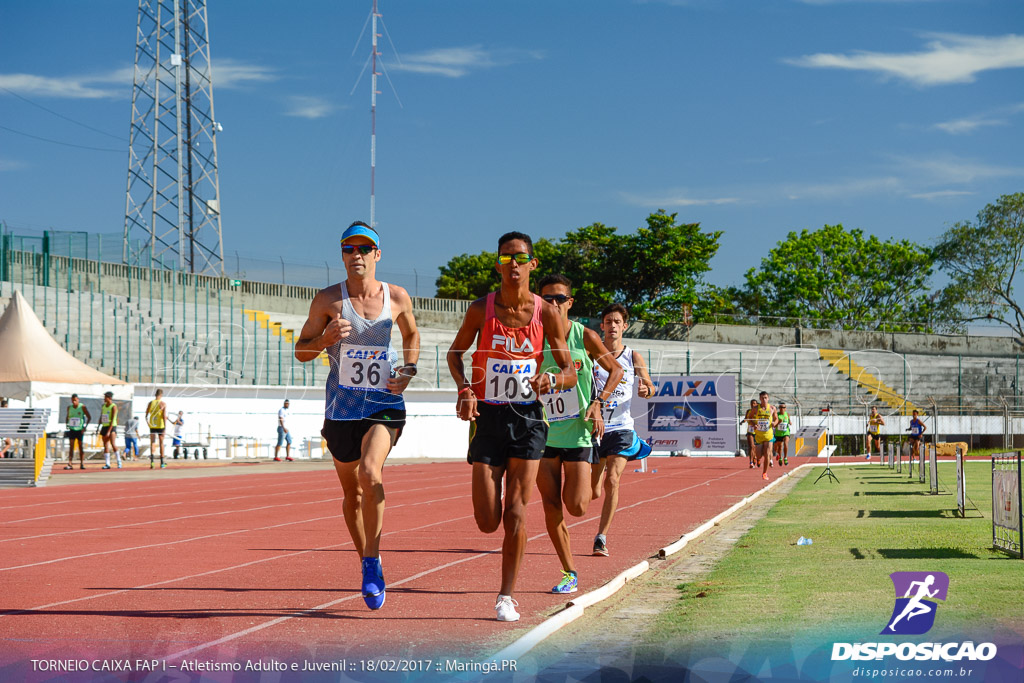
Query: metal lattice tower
point(173, 202)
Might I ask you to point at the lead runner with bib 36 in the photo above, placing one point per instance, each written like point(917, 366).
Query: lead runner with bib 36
point(500, 399)
point(365, 411)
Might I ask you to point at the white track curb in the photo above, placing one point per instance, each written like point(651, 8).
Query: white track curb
point(574, 608)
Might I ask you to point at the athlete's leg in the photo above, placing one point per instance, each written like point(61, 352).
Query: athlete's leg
point(520, 478)
point(616, 464)
point(549, 483)
point(576, 491)
point(352, 504)
point(487, 496)
point(161, 437)
point(764, 456)
point(377, 443)
point(597, 477)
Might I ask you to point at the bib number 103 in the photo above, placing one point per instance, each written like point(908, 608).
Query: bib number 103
point(508, 381)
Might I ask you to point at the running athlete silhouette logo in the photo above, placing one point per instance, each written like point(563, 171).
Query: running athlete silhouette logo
point(914, 612)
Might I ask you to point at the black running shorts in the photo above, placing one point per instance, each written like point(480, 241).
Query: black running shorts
point(581, 454)
point(511, 430)
point(615, 443)
point(107, 430)
point(345, 437)
point(75, 435)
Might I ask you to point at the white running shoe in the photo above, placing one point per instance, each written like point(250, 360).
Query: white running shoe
point(506, 608)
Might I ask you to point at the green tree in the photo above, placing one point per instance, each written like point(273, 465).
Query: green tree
point(839, 277)
point(468, 276)
point(982, 259)
point(661, 267)
point(654, 271)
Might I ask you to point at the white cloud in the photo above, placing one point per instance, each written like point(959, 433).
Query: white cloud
point(309, 107)
point(968, 124)
point(74, 87)
point(952, 170)
point(843, 189)
point(948, 58)
point(455, 62)
point(10, 165)
point(674, 199)
point(941, 194)
point(117, 83)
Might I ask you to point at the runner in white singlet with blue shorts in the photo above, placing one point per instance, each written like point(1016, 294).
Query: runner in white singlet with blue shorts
point(365, 411)
point(619, 443)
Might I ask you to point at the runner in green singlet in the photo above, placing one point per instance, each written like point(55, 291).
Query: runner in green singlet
point(782, 432)
point(108, 429)
point(77, 419)
point(574, 416)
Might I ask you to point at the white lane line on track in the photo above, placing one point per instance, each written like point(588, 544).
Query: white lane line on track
point(177, 490)
point(205, 514)
point(300, 613)
point(261, 494)
point(180, 579)
point(199, 538)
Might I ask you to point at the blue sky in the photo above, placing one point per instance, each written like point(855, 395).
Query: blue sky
point(751, 117)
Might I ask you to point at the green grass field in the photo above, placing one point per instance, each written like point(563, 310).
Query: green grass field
point(872, 523)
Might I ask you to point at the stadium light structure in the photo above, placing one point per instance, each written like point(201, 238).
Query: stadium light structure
point(172, 207)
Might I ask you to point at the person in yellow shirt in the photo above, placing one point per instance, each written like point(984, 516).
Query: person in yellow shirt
point(765, 421)
point(874, 435)
point(156, 418)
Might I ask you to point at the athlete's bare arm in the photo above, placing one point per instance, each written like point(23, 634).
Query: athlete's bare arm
point(88, 417)
point(646, 387)
point(401, 308)
point(465, 406)
point(323, 328)
point(595, 347)
point(554, 333)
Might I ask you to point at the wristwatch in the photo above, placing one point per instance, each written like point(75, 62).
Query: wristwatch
point(408, 370)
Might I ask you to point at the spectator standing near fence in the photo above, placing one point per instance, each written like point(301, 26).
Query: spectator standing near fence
point(77, 418)
point(179, 430)
point(283, 435)
point(108, 429)
point(7, 451)
point(131, 438)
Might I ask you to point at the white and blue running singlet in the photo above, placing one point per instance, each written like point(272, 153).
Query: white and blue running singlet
point(616, 408)
point(361, 365)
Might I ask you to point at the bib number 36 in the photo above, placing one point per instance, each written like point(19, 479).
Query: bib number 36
point(508, 381)
point(364, 367)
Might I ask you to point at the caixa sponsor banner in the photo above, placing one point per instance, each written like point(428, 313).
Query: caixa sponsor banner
point(695, 413)
point(922, 652)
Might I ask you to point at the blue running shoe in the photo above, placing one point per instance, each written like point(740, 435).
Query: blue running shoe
point(568, 584)
point(373, 583)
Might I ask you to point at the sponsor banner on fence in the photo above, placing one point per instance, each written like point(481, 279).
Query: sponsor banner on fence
point(695, 413)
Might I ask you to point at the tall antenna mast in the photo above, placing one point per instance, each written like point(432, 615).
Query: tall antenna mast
point(172, 204)
point(373, 115)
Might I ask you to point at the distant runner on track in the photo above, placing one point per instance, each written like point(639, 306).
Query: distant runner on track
point(765, 421)
point(874, 435)
point(574, 417)
point(365, 412)
point(500, 398)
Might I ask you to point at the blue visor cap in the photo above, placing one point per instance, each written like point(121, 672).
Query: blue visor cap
point(361, 231)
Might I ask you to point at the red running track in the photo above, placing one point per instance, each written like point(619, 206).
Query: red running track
point(260, 565)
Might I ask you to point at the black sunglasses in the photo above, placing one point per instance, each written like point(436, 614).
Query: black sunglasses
point(363, 249)
point(555, 298)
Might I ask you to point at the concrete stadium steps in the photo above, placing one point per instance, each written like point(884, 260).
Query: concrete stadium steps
point(17, 472)
point(844, 362)
point(235, 347)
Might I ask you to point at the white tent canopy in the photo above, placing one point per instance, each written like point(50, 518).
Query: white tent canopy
point(34, 366)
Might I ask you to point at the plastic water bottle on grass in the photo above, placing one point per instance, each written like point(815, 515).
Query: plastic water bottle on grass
point(803, 541)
